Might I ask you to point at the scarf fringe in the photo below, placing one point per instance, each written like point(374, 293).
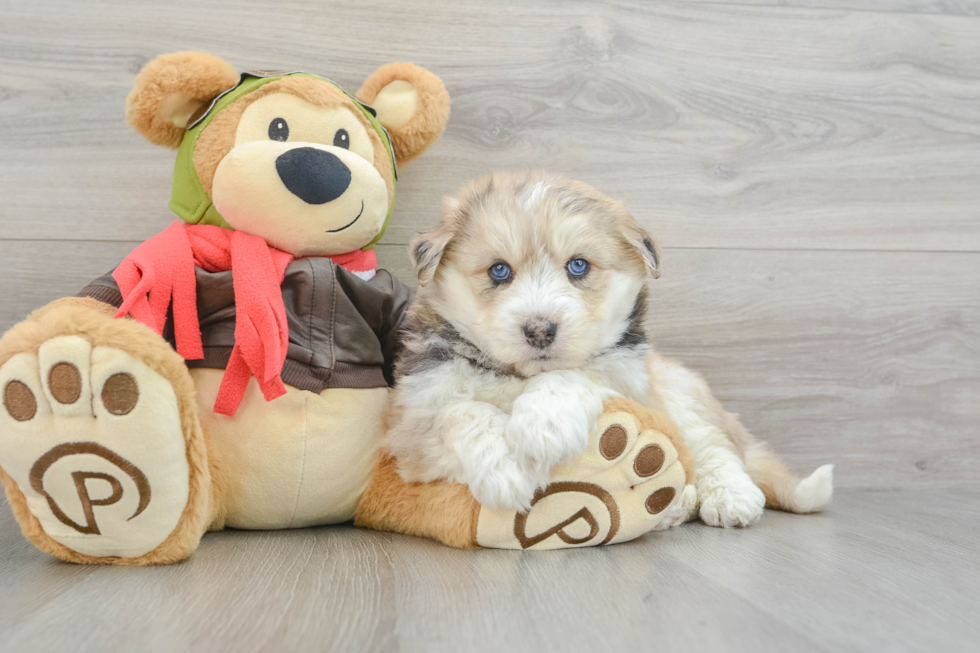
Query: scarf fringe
point(160, 273)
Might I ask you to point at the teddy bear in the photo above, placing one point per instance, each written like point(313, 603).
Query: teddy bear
point(234, 370)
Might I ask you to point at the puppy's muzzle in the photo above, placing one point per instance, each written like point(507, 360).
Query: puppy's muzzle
point(540, 332)
point(313, 175)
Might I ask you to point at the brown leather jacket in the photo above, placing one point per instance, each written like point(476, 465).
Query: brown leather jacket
point(342, 329)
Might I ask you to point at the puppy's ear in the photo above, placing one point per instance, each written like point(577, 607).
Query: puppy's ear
point(426, 249)
point(412, 104)
point(644, 243)
point(171, 89)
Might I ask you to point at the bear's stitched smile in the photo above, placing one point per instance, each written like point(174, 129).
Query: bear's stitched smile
point(333, 231)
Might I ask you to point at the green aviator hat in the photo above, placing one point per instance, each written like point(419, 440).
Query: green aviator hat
point(191, 202)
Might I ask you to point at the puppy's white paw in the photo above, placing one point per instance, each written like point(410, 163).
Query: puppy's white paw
point(506, 483)
point(735, 502)
point(545, 436)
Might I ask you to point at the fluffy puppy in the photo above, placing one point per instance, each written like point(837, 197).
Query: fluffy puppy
point(530, 314)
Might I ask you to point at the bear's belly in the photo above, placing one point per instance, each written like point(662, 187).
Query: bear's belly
point(300, 460)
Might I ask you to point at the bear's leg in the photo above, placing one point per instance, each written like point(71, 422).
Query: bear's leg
point(101, 451)
point(634, 477)
point(443, 511)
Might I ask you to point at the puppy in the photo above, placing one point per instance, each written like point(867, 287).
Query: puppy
point(534, 292)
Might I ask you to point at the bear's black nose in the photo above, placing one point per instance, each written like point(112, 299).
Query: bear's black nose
point(315, 176)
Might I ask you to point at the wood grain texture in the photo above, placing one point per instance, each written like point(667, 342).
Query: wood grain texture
point(870, 360)
point(882, 571)
point(720, 125)
point(763, 145)
point(947, 7)
point(811, 168)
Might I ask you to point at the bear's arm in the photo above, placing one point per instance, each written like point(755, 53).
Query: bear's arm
point(382, 301)
point(104, 289)
point(401, 299)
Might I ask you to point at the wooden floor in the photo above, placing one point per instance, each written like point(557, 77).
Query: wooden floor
point(812, 170)
point(883, 571)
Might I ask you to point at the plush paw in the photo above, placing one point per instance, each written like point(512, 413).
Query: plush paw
point(626, 482)
point(92, 437)
point(733, 501)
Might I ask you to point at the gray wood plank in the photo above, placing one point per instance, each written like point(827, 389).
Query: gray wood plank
point(870, 360)
point(949, 7)
point(873, 574)
point(853, 594)
point(721, 126)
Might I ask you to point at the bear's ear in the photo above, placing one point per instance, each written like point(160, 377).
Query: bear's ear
point(171, 89)
point(412, 104)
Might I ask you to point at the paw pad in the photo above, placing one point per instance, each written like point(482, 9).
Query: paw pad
point(19, 401)
point(657, 502)
point(120, 393)
point(649, 461)
point(613, 442)
point(65, 383)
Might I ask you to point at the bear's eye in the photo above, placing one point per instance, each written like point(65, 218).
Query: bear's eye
point(278, 130)
point(341, 139)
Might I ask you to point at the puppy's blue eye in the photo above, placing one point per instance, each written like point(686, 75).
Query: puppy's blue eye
point(578, 267)
point(500, 272)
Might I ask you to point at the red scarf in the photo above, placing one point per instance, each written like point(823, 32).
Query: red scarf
point(161, 271)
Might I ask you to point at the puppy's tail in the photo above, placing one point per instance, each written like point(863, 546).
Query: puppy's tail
point(785, 490)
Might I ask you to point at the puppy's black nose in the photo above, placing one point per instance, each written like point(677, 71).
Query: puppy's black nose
point(313, 175)
point(540, 332)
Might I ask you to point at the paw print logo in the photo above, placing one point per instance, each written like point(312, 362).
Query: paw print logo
point(584, 515)
point(80, 478)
